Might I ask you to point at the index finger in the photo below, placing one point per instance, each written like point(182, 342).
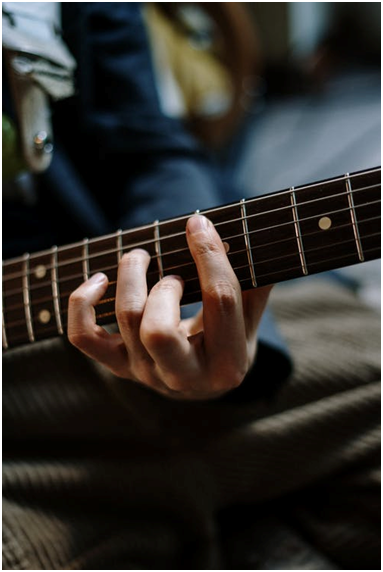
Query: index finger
point(85, 334)
point(224, 327)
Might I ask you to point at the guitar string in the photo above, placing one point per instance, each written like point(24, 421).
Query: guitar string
point(14, 276)
point(216, 209)
point(235, 268)
point(351, 176)
point(290, 223)
point(248, 280)
point(164, 237)
point(53, 328)
point(198, 291)
point(194, 278)
point(191, 263)
point(169, 236)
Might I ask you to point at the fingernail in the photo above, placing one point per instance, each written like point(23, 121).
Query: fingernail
point(197, 223)
point(173, 277)
point(97, 278)
point(227, 246)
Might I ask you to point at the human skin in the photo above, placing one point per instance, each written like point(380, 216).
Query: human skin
point(197, 358)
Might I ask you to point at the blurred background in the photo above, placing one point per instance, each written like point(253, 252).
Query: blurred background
point(285, 93)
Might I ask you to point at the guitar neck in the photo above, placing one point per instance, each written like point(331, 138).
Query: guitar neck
point(292, 233)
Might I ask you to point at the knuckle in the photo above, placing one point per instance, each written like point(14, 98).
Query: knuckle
point(77, 298)
point(223, 294)
point(173, 381)
point(129, 317)
point(230, 378)
point(156, 336)
point(78, 338)
point(142, 371)
point(206, 248)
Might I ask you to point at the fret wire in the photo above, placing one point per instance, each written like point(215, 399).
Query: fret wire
point(261, 246)
point(26, 299)
point(213, 210)
point(247, 242)
point(353, 218)
point(198, 291)
point(272, 227)
point(224, 207)
point(65, 311)
point(185, 217)
point(283, 257)
point(37, 286)
point(85, 259)
point(175, 235)
point(313, 264)
point(112, 314)
point(271, 211)
point(298, 231)
point(119, 245)
point(157, 246)
point(111, 283)
point(55, 291)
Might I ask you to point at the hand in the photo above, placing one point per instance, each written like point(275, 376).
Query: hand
point(198, 358)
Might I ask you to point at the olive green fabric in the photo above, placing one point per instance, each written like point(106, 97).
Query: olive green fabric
point(13, 163)
point(101, 474)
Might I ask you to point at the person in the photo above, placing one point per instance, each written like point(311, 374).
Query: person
point(166, 457)
point(118, 119)
point(192, 359)
point(147, 166)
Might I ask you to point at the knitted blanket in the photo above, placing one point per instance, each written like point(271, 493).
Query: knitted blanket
point(99, 473)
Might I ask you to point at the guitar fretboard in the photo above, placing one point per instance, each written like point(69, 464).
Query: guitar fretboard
point(276, 237)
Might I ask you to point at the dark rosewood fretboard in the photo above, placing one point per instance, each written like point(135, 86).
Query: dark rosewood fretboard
point(272, 238)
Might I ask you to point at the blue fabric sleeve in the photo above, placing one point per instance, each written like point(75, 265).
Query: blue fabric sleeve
point(157, 169)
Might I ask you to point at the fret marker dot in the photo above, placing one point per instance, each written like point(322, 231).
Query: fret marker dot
point(44, 316)
point(325, 223)
point(40, 271)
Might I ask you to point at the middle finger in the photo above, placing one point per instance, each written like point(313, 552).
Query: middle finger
point(131, 296)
